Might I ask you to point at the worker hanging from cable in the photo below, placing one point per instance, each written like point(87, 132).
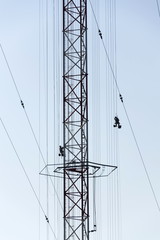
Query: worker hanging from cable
point(61, 151)
point(117, 122)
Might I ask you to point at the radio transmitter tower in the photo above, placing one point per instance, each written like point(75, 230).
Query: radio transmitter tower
point(75, 120)
point(76, 169)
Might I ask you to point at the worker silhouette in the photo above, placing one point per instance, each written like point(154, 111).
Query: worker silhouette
point(61, 151)
point(117, 122)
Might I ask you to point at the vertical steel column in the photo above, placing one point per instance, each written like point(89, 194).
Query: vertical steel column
point(75, 120)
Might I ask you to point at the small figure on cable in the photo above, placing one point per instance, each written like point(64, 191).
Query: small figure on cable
point(61, 151)
point(117, 122)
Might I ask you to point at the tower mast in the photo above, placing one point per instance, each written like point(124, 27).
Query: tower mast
point(75, 120)
point(76, 169)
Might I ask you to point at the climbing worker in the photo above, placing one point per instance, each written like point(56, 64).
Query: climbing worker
point(61, 151)
point(117, 122)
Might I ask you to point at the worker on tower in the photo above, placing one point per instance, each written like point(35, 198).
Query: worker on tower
point(61, 151)
point(117, 122)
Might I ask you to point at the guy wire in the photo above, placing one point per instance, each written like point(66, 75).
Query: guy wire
point(122, 101)
point(47, 186)
point(39, 102)
point(28, 179)
point(29, 122)
point(158, 8)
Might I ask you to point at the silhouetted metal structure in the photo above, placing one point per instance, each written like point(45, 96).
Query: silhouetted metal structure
point(75, 170)
point(75, 120)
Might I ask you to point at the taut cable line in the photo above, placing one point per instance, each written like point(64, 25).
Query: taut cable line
point(27, 176)
point(158, 8)
point(125, 110)
point(28, 120)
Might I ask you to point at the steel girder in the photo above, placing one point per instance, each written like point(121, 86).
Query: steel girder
point(75, 120)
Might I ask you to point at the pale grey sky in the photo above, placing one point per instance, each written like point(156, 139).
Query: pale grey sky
point(138, 71)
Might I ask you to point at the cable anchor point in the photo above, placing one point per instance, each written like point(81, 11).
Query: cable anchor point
point(100, 34)
point(121, 98)
point(47, 219)
point(22, 103)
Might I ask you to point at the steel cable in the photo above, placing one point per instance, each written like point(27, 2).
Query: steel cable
point(47, 185)
point(28, 120)
point(158, 8)
point(121, 98)
point(39, 120)
point(28, 179)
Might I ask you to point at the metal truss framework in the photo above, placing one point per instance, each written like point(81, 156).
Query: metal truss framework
point(76, 169)
point(75, 120)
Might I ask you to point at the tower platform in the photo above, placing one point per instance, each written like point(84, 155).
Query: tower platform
point(76, 169)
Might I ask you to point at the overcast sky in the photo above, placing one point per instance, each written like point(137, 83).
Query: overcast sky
point(138, 71)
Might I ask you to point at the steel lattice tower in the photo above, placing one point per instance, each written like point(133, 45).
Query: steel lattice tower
point(76, 169)
point(75, 120)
